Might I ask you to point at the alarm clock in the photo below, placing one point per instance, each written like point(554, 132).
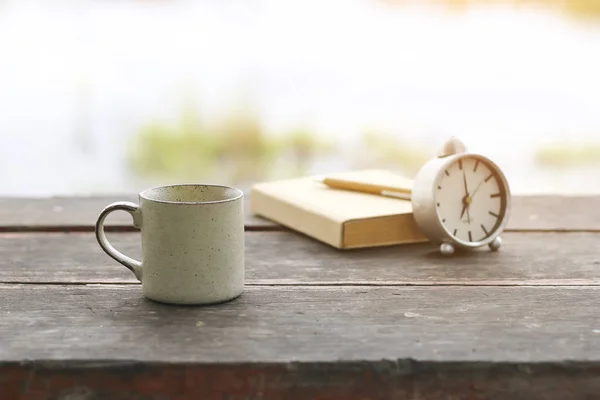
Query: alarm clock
point(461, 199)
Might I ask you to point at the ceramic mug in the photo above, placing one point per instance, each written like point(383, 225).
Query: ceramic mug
point(192, 243)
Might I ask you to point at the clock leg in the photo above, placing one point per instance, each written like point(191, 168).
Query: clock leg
point(495, 244)
point(447, 249)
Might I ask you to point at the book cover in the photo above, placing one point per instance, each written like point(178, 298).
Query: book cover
point(341, 218)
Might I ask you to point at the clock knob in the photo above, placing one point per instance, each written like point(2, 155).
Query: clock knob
point(452, 146)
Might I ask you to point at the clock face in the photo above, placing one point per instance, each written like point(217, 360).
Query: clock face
point(471, 199)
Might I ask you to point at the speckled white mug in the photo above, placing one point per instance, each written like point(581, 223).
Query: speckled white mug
point(192, 243)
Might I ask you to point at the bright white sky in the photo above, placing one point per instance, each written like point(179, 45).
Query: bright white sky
point(503, 80)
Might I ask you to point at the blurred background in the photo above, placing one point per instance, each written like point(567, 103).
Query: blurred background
point(101, 97)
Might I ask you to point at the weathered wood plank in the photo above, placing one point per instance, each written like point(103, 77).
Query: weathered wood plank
point(78, 213)
point(290, 259)
point(555, 213)
point(310, 324)
point(376, 380)
point(528, 213)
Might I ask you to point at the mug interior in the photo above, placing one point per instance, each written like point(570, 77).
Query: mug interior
point(192, 194)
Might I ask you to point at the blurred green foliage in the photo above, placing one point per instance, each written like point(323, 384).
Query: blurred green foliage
point(378, 149)
point(182, 149)
point(243, 149)
point(301, 147)
point(568, 155)
point(581, 9)
point(588, 9)
point(237, 149)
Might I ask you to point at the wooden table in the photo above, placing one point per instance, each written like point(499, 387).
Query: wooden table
point(313, 322)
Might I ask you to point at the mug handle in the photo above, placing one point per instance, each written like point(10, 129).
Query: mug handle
point(134, 266)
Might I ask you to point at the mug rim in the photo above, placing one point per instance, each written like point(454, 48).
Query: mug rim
point(240, 193)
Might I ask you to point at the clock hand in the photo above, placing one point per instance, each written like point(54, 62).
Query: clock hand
point(478, 186)
point(466, 199)
point(469, 215)
point(466, 204)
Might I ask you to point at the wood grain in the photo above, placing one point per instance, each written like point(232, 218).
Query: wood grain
point(285, 258)
point(556, 213)
point(78, 213)
point(374, 380)
point(313, 322)
point(310, 324)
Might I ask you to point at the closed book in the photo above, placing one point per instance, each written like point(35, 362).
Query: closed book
point(341, 218)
